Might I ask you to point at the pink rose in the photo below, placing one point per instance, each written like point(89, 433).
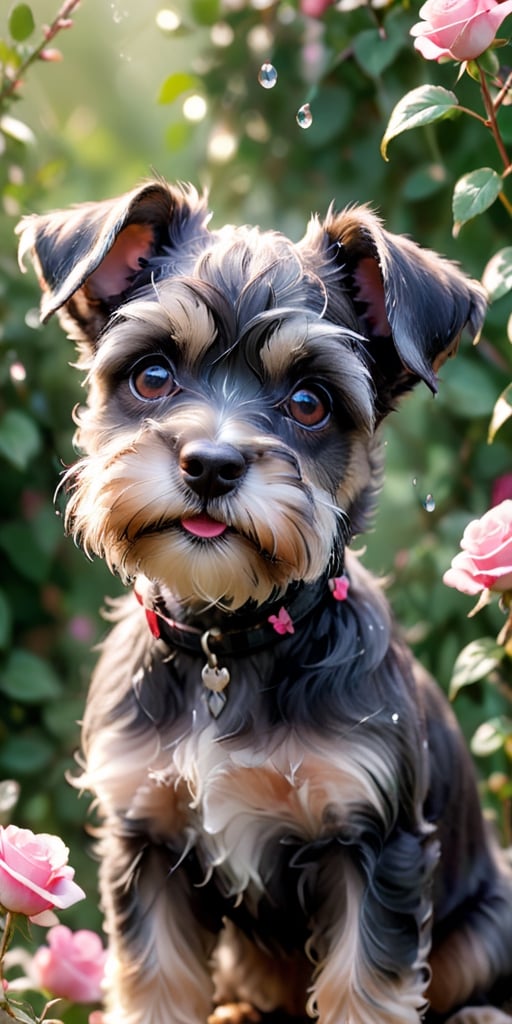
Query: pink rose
point(34, 873)
point(485, 562)
point(460, 29)
point(72, 965)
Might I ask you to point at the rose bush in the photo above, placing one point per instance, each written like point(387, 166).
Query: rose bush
point(485, 562)
point(34, 873)
point(460, 29)
point(72, 965)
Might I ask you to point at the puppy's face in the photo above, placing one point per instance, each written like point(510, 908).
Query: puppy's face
point(234, 385)
point(224, 448)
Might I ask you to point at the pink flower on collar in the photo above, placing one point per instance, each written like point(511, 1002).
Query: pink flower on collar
point(339, 587)
point(282, 622)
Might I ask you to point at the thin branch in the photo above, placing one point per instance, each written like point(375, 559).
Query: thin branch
point(492, 121)
point(61, 21)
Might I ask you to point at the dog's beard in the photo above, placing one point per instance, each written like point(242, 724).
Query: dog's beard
point(128, 504)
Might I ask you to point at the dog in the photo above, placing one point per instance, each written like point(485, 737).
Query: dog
point(290, 822)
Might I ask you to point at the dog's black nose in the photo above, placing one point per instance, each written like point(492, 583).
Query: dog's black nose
point(211, 469)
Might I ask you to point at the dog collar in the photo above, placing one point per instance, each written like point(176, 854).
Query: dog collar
point(279, 620)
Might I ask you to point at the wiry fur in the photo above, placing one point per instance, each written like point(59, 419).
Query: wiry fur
point(319, 846)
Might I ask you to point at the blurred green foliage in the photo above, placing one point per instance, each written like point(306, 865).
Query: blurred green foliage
point(137, 91)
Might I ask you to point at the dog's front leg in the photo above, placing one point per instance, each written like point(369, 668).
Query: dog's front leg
point(158, 963)
point(369, 937)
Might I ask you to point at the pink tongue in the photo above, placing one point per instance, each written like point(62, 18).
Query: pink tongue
point(203, 526)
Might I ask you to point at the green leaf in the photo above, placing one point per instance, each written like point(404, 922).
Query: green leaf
point(25, 754)
point(22, 546)
point(5, 621)
point(29, 679)
point(421, 106)
point(375, 52)
point(466, 390)
point(474, 193)
point(61, 717)
point(425, 182)
point(19, 438)
point(477, 660)
point(21, 22)
point(490, 736)
point(332, 113)
point(10, 56)
point(177, 84)
point(178, 135)
point(501, 413)
point(22, 1012)
point(497, 276)
point(204, 12)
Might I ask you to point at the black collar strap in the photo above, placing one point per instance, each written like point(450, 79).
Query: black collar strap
point(280, 620)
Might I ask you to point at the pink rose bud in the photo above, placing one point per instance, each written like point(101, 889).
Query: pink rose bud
point(71, 966)
point(50, 56)
point(34, 873)
point(485, 562)
point(460, 29)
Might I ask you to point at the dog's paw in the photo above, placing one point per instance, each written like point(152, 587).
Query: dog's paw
point(480, 1015)
point(235, 1013)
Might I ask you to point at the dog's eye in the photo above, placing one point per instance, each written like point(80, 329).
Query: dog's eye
point(152, 379)
point(308, 407)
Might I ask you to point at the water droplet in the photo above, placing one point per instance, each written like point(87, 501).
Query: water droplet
point(304, 116)
point(415, 481)
point(429, 503)
point(267, 76)
point(395, 717)
point(117, 15)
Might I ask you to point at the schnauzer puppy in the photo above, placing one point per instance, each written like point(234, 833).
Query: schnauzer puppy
point(289, 815)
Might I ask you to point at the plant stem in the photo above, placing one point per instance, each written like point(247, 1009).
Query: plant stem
point(4, 943)
point(60, 21)
point(505, 202)
point(490, 110)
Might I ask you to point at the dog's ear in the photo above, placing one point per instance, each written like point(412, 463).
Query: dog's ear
point(88, 257)
point(412, 304)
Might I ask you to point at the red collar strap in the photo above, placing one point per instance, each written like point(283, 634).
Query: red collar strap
point(278, 621)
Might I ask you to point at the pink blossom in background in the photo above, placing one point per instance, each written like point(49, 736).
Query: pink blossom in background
point(34, 873)
point(501, 489)
point(485, 562)
point(314, 8)
point(81, 628)
point(72, 965)
point(460, 29)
